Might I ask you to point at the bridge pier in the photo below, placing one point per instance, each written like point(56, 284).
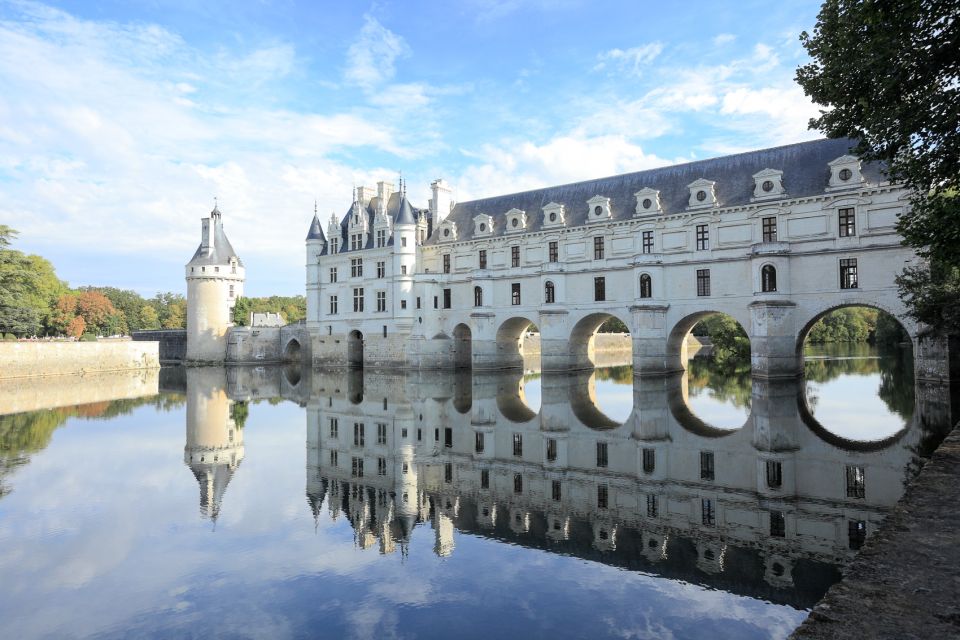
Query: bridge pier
point(555, 345)
point(773, 339)
point(650, 341)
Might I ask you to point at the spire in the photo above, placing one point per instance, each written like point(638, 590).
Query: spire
point(316, 229)
point(405, 211)
point(216, 209)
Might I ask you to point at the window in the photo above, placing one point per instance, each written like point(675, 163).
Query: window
point(549, 293)
point(709, 518)
point(769, 229)
point(358, 300)
point(403, 241)
point(518, 444)
point(381, 300)
point(848, 222)
point(517, 483)
point(703, 282)
point(446, 263)
point(768, 278)
point(381, 433)
point(446, 298)
point(381, 237)
point(334, 427)
point(381, 269)
point(552, 252)
point(778, 525)
point(418, 302)
point(356, 241)
point(384, 335)
point(600, 289)
point(514, 256)
point(436, 302)
point(478, 446)
point(602, 454)
point(703, 237)
point(602, 496)
point(774, 474)
point(358, 434)
point(448, 437)
point(448, 473)
point(649, 460)
point(381, 466)
point(848, 273)
point(598, 248)
point(706, 465)
point(646, 286)
point(856, 533)
point(484, 478)
point(515, 293)
point(356, 467)
point(231, 291)
point(556, 490)
point(652, 506)
point(482, 259)
point(333, 305)
point(334, 245)
point(356, 267)
point(333, 274)
point(551, 450)
point(477, 297)
point(403, 269)
point(647, 241)
point(855, 482)
point(403, 304)
point(334, 455)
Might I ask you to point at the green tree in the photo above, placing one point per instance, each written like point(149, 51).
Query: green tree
point(17, 281)
point(241, 311)
point(176, 316)
point(887, 73)
point(149, 319)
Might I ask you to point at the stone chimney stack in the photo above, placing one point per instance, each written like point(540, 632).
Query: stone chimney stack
point(442, 200)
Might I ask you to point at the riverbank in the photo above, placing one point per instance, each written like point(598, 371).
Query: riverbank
point(36, 359)
point(904, 582)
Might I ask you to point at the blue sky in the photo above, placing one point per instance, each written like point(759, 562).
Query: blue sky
point(120, 121)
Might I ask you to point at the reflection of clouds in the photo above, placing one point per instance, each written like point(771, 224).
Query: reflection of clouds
point(850, 407)
point(717, 412)
point(615, 399)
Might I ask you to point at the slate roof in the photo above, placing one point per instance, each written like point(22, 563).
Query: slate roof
point(316, 230)
point(398, 208)
point(804, 166)
point(222, 249)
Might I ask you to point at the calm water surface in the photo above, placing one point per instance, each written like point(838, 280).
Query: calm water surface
point(280, 503)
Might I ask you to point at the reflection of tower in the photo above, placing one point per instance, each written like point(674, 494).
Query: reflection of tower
point(214, 446)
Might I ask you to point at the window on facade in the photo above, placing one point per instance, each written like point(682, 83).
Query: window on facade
point(599, 289)
point(381, 466)
point(231, 291)
point(358, 431)
point(598, 248)
point(436, 302)
point(778, 525)
point(382, 238)
point(381, 433)
point(556, 490)
point(333, 458)
point(333, 274)
point(553, 253)
point(381, 269)
point(446, 298)
point(646, 286)
point(334, 427)
point(514, 256)
point(549, 293)
point(356, 267)
point(334, 245)
point(478, 445)
point(418, 302)
point(477, 297)
point(403, 269)
point(652, 506)
point(482, 259)
point(356, 467)
point(333, 305)
point(515, 293)
point(403, 241)
point(484, 478)
point(706, 465)
point(448, 473)
point(856, 534)
point(602, 496)
point(517, 483)
point(647, 238)
point(403, 304)
point(769, 229)
point(848, 222)
point(703, 237)
point(848, 273)
point(551, 450)
point(358, 300)
point(446, 263)
point(355, 241)
point(448, 437)
point(774, 474)
point(709, 517)
point(768, 278)
point(602, 454)
point(856, 482)
point(703, 282)
point(649, 460)
point(381, 300)
point(518, 444)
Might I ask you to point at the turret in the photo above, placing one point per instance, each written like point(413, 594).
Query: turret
point(316, 247)
point(215, 277)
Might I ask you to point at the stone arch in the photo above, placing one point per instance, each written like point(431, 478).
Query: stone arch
point(677, 339)
point(908, 326)
point(583, 339)
point(462, 346)
point(355, 349)
point(292, 351)
point(511, 336)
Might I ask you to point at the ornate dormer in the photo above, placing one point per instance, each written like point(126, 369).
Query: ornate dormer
point(553, 215)
point(382, 225)
point(648, 202)
point(598, 208)
point(845, 173)
point(447, 231)
point(702, 194)
point(516, 221)
point(768, 184)
point(333, 233)
point(482, 225)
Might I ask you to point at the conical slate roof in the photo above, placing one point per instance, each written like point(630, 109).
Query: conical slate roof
point(405, 214)
point(316, 230)
point(221, 251)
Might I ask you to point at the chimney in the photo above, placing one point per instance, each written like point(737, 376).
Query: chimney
point(208, 237)
point(442, 200)
point(384, 191)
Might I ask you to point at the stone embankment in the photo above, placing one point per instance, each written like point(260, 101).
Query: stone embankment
point(31, 394)
point(33, 359)
point(904, 583)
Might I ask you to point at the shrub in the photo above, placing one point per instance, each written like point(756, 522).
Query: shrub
point(88, 337)
point(9, 336)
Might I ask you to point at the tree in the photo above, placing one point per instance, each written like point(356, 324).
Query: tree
point(76, 327)
point(97, 311)
point(889, 75)
point(176, 316)
point(149, 319)
point(241, 311)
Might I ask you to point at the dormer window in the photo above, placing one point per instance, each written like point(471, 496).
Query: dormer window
point(447, 231)
point(768, 184)
point(648, 201)
point(599, 209)
point(702, 194)
point(845, 173)
point(553, 215)
point(483, 225)
point(516, 220)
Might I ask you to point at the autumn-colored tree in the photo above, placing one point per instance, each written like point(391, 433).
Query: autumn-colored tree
point(76, 326)
point(63, 312)
point(96, 310)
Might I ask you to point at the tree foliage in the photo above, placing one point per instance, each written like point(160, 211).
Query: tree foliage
point(291, 308)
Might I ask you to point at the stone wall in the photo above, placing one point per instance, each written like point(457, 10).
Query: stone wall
point(173, 343)
point(31, 394)
point(29, 359)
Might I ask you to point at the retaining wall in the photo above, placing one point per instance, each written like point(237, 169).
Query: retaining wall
point(30, 359)
point(30, 394)
point(173, 343)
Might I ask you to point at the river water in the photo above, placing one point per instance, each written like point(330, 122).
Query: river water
point(268, 502)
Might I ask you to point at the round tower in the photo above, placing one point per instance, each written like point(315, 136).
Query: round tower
point(215, 279)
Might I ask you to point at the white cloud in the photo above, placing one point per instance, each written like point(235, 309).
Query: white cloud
point(630, 61)
point(723, 38)
point(371, 59)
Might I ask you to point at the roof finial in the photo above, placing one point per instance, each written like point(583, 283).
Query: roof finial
point(314, 206)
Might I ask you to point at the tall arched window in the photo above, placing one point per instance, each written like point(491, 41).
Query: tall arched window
point(477, 297)
point(646, 286)
point(549, 295)
point(768, 278)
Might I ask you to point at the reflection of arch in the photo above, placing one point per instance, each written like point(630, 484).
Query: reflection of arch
point(292, 374)
point(291, 353)
point(846, 444)
point(462, 339)
point(686, 418)
point(355, 349)
point(582, 338)
point(510, 338)
point(462, 391)
point(802, 334)
point(677, 340)
point(511, 400)
point(583, 402)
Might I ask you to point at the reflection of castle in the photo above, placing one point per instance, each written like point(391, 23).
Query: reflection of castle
point(214, 446)
point(770, 504)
